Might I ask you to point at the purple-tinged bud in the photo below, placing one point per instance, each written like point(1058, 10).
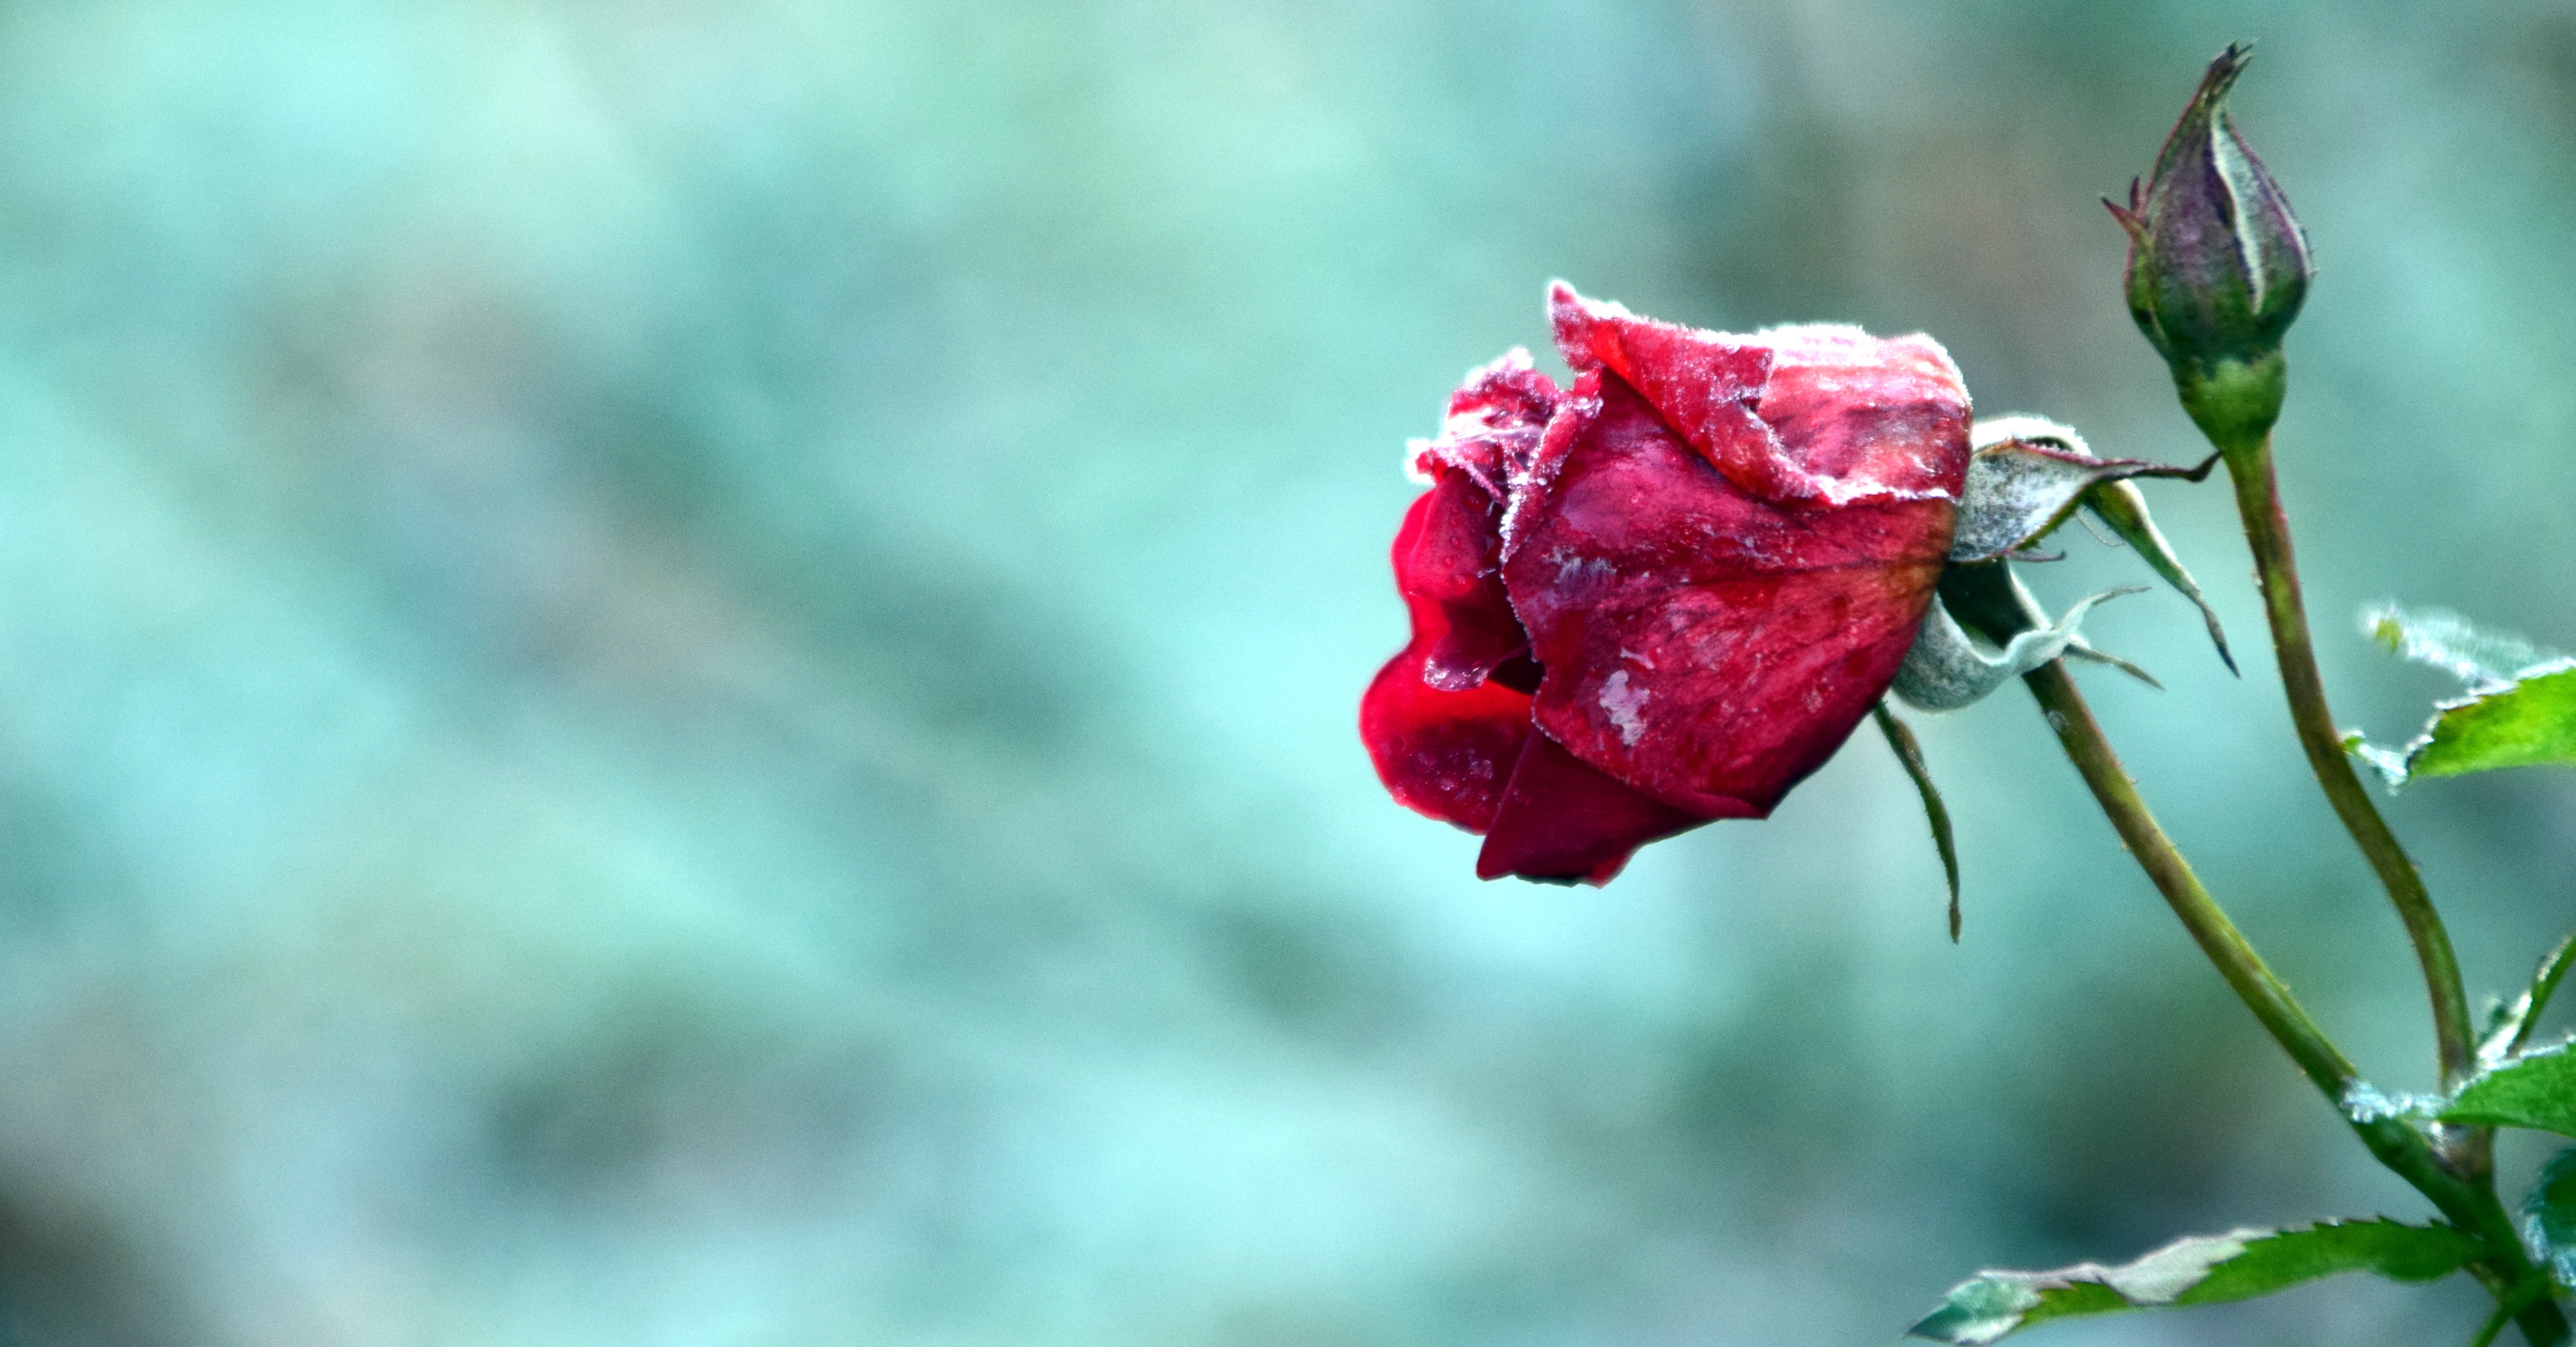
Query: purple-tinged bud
point(2217, 265)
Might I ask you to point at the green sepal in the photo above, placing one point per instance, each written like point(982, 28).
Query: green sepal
point(1909, 751)
point(2027, 475)
point(2122, 508)
point(2202, 1270)
point(1945, 670)
point(1988, 599)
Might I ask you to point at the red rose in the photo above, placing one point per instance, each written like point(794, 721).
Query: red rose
point(1666, 594)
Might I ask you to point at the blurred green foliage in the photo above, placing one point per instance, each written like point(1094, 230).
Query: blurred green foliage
point(682, 672)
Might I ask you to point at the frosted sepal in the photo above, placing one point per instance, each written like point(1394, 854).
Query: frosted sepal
point(1946, 670)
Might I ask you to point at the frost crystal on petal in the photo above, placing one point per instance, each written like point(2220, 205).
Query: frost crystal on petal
point(1622, 702)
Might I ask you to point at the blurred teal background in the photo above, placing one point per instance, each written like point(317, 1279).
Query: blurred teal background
point(682, 673)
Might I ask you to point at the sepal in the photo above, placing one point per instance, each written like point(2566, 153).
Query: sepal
point(2027, 475)
point(2122, 508)
point(1909, 752)
point(1946, 670)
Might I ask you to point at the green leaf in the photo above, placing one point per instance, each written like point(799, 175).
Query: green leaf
point(2202, 1270)
point(2531, 724)
point(1900, 737)
point(2549, 1218)
point(2520, 711)
point(2536, 1090)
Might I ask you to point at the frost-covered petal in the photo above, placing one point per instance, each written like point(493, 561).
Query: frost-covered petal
point(1494, 423)
point(1530, 480)
point(1703, 644)
point(1870, 418)
point(1564, 820)
point(1816, 413)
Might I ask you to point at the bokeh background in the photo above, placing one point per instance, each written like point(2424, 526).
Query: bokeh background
point(679, 672)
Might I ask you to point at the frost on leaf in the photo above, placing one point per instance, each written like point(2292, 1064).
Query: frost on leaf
point(2520, 710)
point(2203, 1270)
point(2446, 641)
point(2535, 1090)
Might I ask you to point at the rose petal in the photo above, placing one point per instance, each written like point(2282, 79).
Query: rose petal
point(1865, 416)
point(1701, 644)
point(1445, 720)
point(1494, 422)
point(1705, 385)
point(1563, 820)
point(1445, 754)
point(1530, 478)
point(1448, 566)
point(1817, 413)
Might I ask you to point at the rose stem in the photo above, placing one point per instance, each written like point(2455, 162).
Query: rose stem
point(2512, 1303)
point(2267, 532)
point(2470, 1205)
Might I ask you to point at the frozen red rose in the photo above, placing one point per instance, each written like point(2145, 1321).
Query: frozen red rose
point(1668, 593)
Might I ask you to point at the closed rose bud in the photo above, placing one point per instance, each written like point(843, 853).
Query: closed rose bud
point(2218, 265)
point(1668, 593)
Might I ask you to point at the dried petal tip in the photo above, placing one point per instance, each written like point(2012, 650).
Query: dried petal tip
point(2218, 265)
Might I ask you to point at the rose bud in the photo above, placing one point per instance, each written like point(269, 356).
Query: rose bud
point(1667, 594)
point(2217, 265)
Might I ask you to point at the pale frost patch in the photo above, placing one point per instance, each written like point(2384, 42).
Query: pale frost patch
point(1622, 703)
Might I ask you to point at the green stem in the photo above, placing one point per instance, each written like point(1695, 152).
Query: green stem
point(2253, 981)
point(2469, 1204)
point(2267, 532)
point(2514, 1302)
point(1987, 599)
